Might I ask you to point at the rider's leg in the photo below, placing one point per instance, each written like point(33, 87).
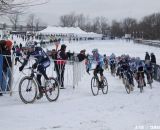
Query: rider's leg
point(42, 70)
point(39, 86)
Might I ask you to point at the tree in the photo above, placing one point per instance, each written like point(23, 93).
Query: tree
point(14, 6)
point(116, 29)
point(31, 22)
point(129, 25)
point(14, 19)
point(68, 20)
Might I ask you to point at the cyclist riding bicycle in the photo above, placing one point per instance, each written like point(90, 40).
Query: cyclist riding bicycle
point(140, 70)
point(96, 59)
point(148, 70)
point(112, 61)
point(42, 62)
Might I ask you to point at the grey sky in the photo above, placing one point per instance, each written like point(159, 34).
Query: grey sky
point(111, 9)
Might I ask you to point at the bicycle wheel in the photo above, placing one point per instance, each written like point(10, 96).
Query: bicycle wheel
point(127, 86)
point(27, 90)
point(52, 90)
point(105, 86)
point(150, 81)
point(94, 86)
point(141, 84)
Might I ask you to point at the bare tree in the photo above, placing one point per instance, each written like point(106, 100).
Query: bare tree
point(104, 26)
point(116, 29)
point(68, 20)
point(129, 25)
point(14, 19)
point(14, 6)
point(31, 22)
point(81, 21)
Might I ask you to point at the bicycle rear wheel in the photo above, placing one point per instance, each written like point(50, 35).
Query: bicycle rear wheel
point(105, 86)
point(141, 85)
point(127, 86)
point(52, 90)
point(27, 90)
point(94, 86)
point(150, 81)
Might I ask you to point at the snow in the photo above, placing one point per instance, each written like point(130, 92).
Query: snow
point(78, 109)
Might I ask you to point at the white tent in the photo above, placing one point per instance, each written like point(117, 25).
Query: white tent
point(74, 31)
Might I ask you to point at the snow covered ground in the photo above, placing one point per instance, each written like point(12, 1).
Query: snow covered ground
point(78, 109)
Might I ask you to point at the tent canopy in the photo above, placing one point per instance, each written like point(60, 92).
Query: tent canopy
point(75, 31)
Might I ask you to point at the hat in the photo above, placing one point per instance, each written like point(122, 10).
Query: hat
point(63, 46)
point(8, 44)
point(82, 51)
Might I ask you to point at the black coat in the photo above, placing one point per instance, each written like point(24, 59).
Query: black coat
point(81, 57)
point(153, 59)
point(147, 57)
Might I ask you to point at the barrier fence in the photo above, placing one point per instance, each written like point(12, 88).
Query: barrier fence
point(10, 77)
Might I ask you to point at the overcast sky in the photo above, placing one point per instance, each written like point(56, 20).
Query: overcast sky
point(111, 9)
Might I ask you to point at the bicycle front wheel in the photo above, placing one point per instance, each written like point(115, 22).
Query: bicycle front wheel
point(27, 90)
point(52, 90)
point(105, 86)
point(94, 86)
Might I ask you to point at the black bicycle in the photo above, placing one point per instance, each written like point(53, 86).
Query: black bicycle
point(97, 85)
point(126, 78)
point(141, 81)
point(28, 88)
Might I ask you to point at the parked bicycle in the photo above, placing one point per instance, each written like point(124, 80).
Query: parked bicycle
point(28, 88)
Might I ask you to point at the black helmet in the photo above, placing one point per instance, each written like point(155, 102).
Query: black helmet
point(63, 46)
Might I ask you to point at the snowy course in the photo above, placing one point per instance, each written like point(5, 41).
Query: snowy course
point(78, 109)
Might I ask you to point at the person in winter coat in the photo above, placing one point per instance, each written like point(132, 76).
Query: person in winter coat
point(60, 64)
point(7, 66)
point(153, 58)
point(147, 57)
point(81, 56)
point(2, 49)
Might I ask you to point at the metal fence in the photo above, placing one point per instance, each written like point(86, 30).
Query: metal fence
point(10, 78)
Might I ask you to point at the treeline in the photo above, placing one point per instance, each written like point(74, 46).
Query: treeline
point(148, 27)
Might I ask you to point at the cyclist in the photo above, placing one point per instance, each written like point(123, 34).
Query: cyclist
point(112, 62)
point(42, 62)
point(96, 59)
point(105, 59)
point(148, 70)
point(140, 70)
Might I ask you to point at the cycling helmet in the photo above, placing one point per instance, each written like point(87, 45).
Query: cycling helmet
point(95, 50)
point(63, 46)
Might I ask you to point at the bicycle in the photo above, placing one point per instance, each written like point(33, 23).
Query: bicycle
point(149, 78)
point(141, 81)
point(28, 88)
point(126, 82)
point(96, 86)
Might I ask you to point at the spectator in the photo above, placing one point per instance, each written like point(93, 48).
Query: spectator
point(60, 64)
point(153, 58)
point(147, 57)
point(20, 45)
point(18, 54)
point(2, 45)
point(81, 56)
point(7, 65)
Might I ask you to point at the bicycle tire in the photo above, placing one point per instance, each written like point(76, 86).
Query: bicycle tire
point(21, 86)
point(105, 86)
point(50, 90)
point(94, 85)
point(141, 84)
point(127, 86)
